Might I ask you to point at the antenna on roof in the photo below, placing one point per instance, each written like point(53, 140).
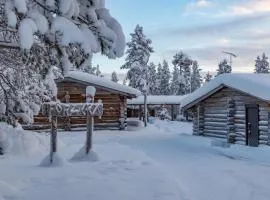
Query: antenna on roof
point(232, 55)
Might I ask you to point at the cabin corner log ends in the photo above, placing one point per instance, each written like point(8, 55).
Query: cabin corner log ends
point(54, 110)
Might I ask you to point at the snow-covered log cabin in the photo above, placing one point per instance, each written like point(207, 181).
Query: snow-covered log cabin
point(72, 89)
point(235, 107)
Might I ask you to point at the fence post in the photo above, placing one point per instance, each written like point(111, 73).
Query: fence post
point(53, 137)
point(90, 94)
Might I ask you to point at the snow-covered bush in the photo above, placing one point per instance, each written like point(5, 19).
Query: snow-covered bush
point(164, 113)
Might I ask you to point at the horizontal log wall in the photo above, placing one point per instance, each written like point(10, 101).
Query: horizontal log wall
point(114, 106)
point(216, 115)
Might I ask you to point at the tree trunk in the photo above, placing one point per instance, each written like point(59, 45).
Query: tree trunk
point(53, 137)
point(89, 134)
point(145, 110)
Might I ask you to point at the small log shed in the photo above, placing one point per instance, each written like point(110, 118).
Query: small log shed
point(72, 89)
point(235, 107)
point(154, 103)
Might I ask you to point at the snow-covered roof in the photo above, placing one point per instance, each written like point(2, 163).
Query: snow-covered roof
point(156, 100)
point(257, 85)
point(102, 82)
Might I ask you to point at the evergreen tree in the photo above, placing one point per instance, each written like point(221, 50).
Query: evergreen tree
point(208, 77)
point(196, 78)
point(175, 83)
point(138, 54)
point(114, 77)
point(152, 79)
point(224, 67)
point(262, 64)
point(165, 79)
point(183, 63)
point(158, 79)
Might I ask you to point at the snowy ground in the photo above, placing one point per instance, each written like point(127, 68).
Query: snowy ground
point(161, 162)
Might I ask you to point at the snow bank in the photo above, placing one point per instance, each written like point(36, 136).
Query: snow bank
point(57, 161)
point(100, 81)
point(252, 84)
point(16, 141)
point(82, 156)
point(157, 100)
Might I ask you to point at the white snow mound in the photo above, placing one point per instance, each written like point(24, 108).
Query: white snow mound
point(16, 141)
point(57, 161)
point(82, 156)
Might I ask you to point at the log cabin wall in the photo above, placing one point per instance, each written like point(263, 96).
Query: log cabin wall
point(225, 116)
point(114, 116)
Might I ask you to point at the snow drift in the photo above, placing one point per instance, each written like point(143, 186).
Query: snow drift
point(16, 141)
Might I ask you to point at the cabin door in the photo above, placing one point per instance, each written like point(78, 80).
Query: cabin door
point(252, 125)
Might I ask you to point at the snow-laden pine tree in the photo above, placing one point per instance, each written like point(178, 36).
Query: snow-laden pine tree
point(71, 30)
point(224, 67)
point(42, 34)
point(262, 64)
point(175, 83)
point(208, 77)
point(165, 79)
point(183, 63)
point(114, 77)
point(196, 78)
point(152, 81)
point(158, 79)
point(138, 54)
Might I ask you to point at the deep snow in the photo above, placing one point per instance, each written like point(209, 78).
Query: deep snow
point(160, 162)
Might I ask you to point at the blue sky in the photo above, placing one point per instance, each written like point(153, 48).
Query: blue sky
point(201, 28)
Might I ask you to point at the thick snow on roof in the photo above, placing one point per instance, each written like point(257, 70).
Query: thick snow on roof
point(100, 81)
point(156, 100)
point(257, 85)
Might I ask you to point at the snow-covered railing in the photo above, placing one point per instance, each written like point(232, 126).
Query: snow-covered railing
point(88, 109)
point(72, 109)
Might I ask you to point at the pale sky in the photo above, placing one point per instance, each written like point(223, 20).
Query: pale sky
point(200, 28)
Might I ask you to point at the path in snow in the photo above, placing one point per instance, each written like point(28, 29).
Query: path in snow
point(162, 162)
point(122, 173)
point(204, 172)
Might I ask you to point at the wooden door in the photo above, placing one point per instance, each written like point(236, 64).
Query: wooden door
point(252, 125)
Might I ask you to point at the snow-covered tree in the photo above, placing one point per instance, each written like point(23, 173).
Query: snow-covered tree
point(176, 81)
point(208, 77)
point(138, 54)
point(165, 77)
point(22, 88)
point(183, 63)
point(196, 78)
point(47, 33)
point(71, 30)
point(262, 64)
point(224, 67)
point(152, 79)
point(158, 79)
point(114, 77)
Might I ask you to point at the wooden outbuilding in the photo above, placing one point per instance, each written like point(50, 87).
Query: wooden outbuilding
point(235, 107)
point(72, 89)
point(155, 104)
